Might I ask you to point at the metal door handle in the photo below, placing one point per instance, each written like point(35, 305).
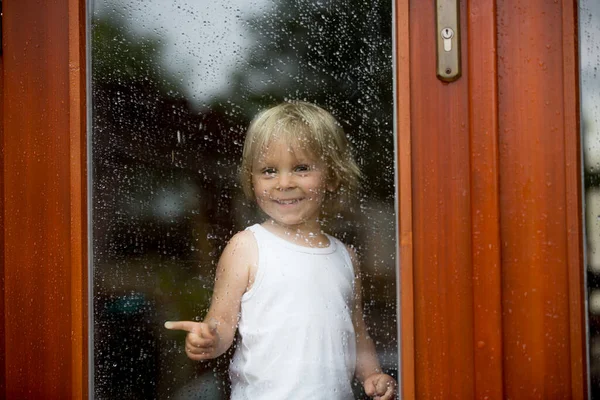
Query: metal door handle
point(448, 40)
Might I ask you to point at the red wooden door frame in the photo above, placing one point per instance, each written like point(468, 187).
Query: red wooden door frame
point(44, 200)
point(495, 308)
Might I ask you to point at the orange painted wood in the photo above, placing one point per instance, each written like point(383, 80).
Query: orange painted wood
point(495, 271)
point(44, 202)
point(442, 253)
point(574, 224)
point(78, 197)
point(483, 131)
point(542, 291)
point(2, 319)
point(404, 193)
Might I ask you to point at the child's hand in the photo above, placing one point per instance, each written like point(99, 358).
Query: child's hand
point(380, 386)
point(202, 340)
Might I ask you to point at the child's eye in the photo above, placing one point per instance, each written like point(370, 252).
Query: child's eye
point(302, 168)
point(268, 171)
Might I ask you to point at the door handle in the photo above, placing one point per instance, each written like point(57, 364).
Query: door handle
point(448, 40)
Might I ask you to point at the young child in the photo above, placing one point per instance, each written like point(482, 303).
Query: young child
point(292, 291)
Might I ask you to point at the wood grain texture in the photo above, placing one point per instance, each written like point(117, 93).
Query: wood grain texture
point(404, 193)
point(534, 94)
point(496, 256)
point(443, 288)
point(44, 200)
point(485, 211)
point(2, 249)
point(78, 197)
point(573, 200)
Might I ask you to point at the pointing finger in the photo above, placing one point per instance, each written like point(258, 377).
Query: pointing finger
point(188, 326)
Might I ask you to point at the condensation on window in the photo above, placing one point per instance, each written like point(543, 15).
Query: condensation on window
point(174, 85)
point(589, 32)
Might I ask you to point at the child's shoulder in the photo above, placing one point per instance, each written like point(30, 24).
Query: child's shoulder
point(352, 252)
point(241, 251)
point(354, 258)
point(350, 247)
point(242, 244)
point(242, 238)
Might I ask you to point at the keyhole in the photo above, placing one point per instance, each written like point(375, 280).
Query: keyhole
point(447, 34)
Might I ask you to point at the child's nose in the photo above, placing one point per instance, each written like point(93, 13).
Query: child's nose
point(286, 181)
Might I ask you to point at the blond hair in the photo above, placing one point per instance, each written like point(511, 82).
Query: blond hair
point(316, 129)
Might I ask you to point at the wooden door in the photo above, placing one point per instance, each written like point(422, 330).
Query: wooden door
point(44, 212)
point(492, 287)
point(490, 228)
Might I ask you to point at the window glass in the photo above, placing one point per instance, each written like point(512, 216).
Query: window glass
point(589, 29)
point(174, 86)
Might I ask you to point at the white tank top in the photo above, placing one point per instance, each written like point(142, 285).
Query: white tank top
point(297, 336)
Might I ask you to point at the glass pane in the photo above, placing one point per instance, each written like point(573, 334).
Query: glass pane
point(174, 86)
point(589, 32)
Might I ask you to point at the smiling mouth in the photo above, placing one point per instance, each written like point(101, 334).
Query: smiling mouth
point(287, 202)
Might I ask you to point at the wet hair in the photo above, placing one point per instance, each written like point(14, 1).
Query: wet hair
point(316, 130)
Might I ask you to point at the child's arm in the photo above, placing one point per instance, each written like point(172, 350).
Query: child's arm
point(368, 370)
point(212, 337)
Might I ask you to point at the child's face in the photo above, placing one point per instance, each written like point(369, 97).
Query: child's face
point(290, 184)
